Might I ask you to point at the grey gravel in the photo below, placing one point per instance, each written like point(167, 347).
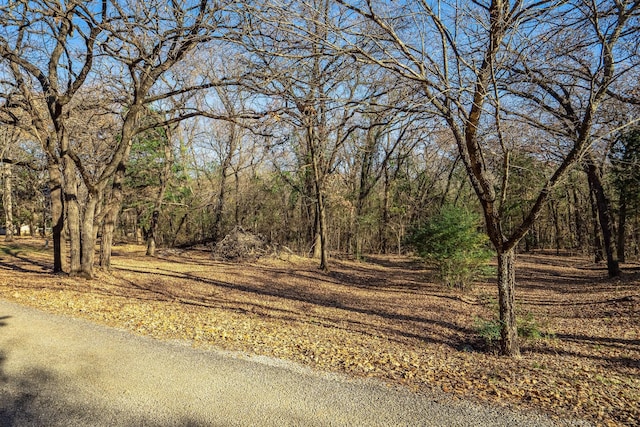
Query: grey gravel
point(61, 371)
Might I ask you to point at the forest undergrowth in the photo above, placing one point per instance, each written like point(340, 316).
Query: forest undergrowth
point(384, 317)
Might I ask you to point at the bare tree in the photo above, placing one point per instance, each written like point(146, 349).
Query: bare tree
point(150, 39)
point(314, 90)
point(228, 144)
point(589, 47)
point(387, 137)
point(165, 144)
point(48, 47)
point(460, 56)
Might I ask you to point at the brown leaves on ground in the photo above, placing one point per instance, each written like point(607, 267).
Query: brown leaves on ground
point(384, 318)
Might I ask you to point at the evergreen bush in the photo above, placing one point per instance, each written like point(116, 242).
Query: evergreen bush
point(452, 243)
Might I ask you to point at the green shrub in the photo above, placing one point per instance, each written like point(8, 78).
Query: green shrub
point(529, 328)
point(489, 329)
point(452, 243)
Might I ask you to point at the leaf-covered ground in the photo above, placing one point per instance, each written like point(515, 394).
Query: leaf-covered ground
point(383, 318)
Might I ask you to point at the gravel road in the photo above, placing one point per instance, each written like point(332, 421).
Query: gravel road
point(61, 371)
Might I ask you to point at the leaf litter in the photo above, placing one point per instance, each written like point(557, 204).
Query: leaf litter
point(385, 318)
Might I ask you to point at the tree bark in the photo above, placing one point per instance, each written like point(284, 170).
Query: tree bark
point(556, 225)
point(106, 241)
point(152, 234)
point(236, 209)
point(316, 246)
point(181, 223)
point(112, 210)
point(351, 231)
point(604, 215)
point(88, 235)
point(384, 222)
point(73, 215)
point(598, 251)
point(57, 218)
point(622, 226)
point(114, 205)
point(322, 231)
point(357, 235)
point(579, 222)
point(636, 227)
point(321, 214)
point(506, 298)
point(7, 201)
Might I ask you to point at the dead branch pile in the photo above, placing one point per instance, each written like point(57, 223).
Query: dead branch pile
point(240, 245)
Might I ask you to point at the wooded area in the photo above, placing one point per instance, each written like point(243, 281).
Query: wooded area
point(327, 127)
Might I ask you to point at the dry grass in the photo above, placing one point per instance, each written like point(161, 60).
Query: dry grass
point(383, 318)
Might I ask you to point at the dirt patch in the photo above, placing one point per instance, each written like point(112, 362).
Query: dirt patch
point(383, 318)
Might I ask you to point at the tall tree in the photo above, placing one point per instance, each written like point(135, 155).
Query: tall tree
point(461, 57)
point(150, 39)
point(589, 56)
point(602, 206)
point(49, 49)
point(312, 87)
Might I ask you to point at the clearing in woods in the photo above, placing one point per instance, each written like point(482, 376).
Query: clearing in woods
point(384, 317)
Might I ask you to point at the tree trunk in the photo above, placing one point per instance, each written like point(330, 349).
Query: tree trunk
point(236, 211)
point(152, 239)
point(556, 225)
point(73, 215)
point(153, 230)
point(579, 222)
point(316, 234)
point(57, 218)
point(447, 188)
point(322, 233)
point(219, 207)
point(139, 230)
point(181, 223)
point(384, 222)
point(598, 251)
point(351, 232)
point(622, 226)
point(506, 299)
point(88, 237)
point(7, 202)
point(357, 235)
point(111, 213)
point(604, 215)
point(224, 170)
point(106, 241)
point(636, 227)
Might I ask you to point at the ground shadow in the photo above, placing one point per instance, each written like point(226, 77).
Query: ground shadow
point(262, 293)
point(19, 261)
point(37, 398)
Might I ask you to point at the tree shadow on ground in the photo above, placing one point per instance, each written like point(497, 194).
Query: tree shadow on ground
point(18, 260)
point(402, 305)
point(36, 397)
point(17, 395)
point(259, 294)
